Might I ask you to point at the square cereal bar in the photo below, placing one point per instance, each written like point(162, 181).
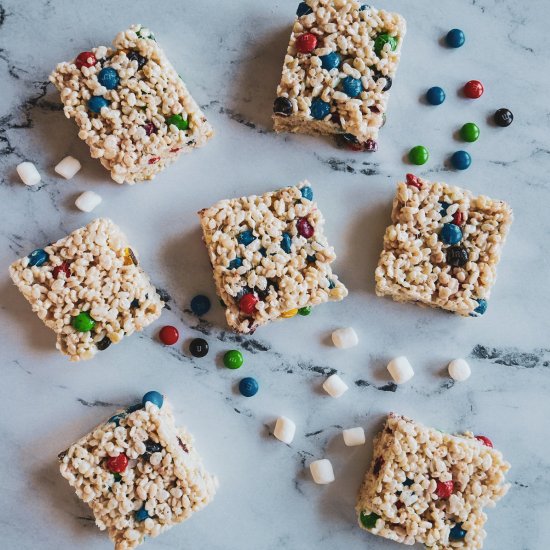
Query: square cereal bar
point(88, 289)
point(131, 106)
point(338, 70)
point(443, 247)
point(139, 474)
point(425, 486)
point(270, 256)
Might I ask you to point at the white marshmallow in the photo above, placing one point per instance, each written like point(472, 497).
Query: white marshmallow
point(400, 370)
point(68, 167)
point(335, 386)
point(284, 430)
point(28, 173)
point(344, 338)
point(88, 201)
point(459, 370)
point(321, 471)
point(354, 436)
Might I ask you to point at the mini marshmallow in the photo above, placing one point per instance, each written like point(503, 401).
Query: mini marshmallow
point(284, 430)
point(28, 173)
point(321, 471)
point(335, 386)
point(68, 167)
point(400, 370)
point(459, 370)
point(88, 201)
point(354, 436)
point(344, 338)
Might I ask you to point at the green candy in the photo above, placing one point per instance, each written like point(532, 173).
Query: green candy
point(419, 155)
point(233, 359)
point(178, 121)
point(369, 522)
point(83, 322)
point(469, 132)
point(304, 311)
point(382, 40)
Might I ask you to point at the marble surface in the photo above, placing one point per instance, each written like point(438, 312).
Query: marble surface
point(230, 54)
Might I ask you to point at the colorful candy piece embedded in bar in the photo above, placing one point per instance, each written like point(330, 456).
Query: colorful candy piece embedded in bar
point(84, 288)
point(428, 487)
point(270, 257)
point(443, 247)
point(338, 69)
point(125, 466)
point(143, 119)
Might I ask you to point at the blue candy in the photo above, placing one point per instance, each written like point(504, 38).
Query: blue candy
point(455, 38)
point(96, 103)
point(319, 109)
point(435, 95)
point(117, 418)
point(330, 61)
point(461, 160)
point(38, 257)
point(263, 251)
point(307, 193)
point(364, 7)
point(482, 306)
point(142, 514)
point(311, 259)
point(286, 243)
point(109, 78)
point(200, 305)
point(352, 86)
point(450, 233)
point(134, 408)
point(303, 9)
point(248, 386)
point(456, 532)
point(153, 397)
point(246, 237)
point(444, 206)
point(236, 263)
point(331, 284)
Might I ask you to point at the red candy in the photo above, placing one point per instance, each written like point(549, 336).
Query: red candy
point(63, 268)
point(413, 181)
point(485, 440)
point(154, 160)
point(150, 128)
point(118, 463)
point(85, 59)
point(306, 42)
point(169, 335)
point(444, 489)
point(247, 304)
point(305, 229)
point(459, 218)
point(473, 89)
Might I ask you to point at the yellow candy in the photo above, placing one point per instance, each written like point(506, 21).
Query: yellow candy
point(290, 313)
point(129, 257)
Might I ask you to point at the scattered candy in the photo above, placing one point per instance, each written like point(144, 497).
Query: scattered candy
point(198, 347)
point(413, 181)
point(303, 9)
point(61, 269)
point(473, 89)
point(330, 61)
point(68, 167)
point(444, 489)
point(142, 514)
point(457, 533)
point(354, 436)
point(435, 95)
point(233, 359)
point(200, 305)
point(96, 103)
point(289, 314)
point(459, 218)
point(321, 471)
point(305, 229)
point(335, 386)
point(307, 193)
point(286, 243)
point(246, 237)
point(135, 56)
point(450, 234)
point(319, 109)
point(304, 311)
point(248, 386)
point(469, 132)
point(247, 303)
point(461, 160)
point(482, 306)
point(85, 59)
point(87, 201)
point(455, 38)
point(108, 77)
point(345, 338)
point(503, 117)
point(169, 335)
point(38, 257)
point(83, 322)
point(419, 155)
point(306, 43)
point(178, 121)
point(457, 256)
point(235, 264)
point(28, 173)
point(284, 430)
point(400, 370)
point(352, 86)
point(154, 397)
point(117, 463)
point(485, 440)
point(103, 344)
point(383, 39)
point(369, 520)
point(459, 370)
point(282, 106)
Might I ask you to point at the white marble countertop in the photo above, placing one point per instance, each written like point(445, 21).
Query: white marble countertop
point(230, 55)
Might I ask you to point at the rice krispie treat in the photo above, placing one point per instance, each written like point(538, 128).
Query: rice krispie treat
point(139, 474)
point(339, 67)
point(270, 257)
point(443, 247)
point(131, 106)
point(429, 487)
point(88, 288)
